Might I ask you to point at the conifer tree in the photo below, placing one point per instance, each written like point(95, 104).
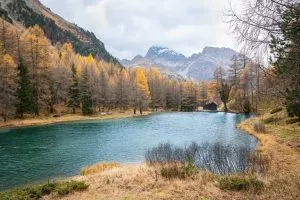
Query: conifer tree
point(74, 93)
point(24, 92)
point(86, 96)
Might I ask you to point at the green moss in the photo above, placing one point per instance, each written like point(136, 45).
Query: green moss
point(38, 191)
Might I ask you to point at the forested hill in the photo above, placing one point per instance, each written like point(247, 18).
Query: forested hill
point(26, 13)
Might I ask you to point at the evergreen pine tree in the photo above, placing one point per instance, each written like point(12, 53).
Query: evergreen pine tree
point(74, 94)
point(25, 99)
point(86, 97)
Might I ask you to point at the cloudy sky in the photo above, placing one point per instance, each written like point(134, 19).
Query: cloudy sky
point(130, 27)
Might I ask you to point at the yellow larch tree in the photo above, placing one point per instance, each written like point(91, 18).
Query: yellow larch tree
point(8, 86)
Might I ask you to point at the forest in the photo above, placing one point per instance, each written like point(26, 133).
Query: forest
point(38, 77)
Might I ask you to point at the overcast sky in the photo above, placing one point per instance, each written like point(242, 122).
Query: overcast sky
point(130, 27)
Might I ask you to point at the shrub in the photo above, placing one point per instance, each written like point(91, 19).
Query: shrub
point(177, 170)
point(276, 110)
point(258, 162)
point(292, 121)
point(218, 158)
point(247, 106)
point(292, 103)
point(69, 187)
point(38, 191)
point(173, 171)
point(259, 127)
point(241, 183)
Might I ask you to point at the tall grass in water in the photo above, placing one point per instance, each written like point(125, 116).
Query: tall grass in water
point(217, 158)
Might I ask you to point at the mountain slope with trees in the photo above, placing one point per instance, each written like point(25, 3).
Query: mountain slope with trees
point(25, 14)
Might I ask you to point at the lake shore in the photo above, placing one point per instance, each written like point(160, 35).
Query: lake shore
point(142, 182)
point(46, 120)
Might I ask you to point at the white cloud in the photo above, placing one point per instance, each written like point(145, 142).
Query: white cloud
point(130, 27)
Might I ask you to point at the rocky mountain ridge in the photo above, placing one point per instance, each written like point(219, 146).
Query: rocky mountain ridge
point(199, 66)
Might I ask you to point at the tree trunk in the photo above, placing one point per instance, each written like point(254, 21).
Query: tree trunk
point(134, 110)
point(73, 110)
point(225, 107)
point(51, 109)
point(4, 117)
point(141, 110)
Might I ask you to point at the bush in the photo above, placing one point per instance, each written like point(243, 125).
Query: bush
point(38, 191)
point(173, 171)
point(241, 183)
point(247, 106)
point(69, 187)
point(177, 170)
point(276, 110)
point(218, 158)
point(259, 127)
point(292, 103)
point(292, 121)
point(258, 162)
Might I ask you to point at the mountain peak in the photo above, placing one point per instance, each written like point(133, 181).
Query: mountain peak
point(163, 53)
point(199, 66)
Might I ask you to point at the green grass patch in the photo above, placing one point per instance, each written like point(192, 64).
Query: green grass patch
point(241, 183)
point(36, 192)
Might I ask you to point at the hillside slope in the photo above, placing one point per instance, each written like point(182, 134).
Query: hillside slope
point(26, 13)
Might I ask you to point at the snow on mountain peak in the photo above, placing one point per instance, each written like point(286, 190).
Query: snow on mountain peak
point(163, 53)
point(198, 66)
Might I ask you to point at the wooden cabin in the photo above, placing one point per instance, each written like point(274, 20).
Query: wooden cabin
point(210, 106)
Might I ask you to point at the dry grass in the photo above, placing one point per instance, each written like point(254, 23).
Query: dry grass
point(98, 168)
point(44, 120)
point(282, 181)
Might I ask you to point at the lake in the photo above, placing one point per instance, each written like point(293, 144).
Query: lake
point(40, 153)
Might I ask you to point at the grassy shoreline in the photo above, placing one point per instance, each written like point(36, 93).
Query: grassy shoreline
point(47, 120)
point(140, 181)
point(282, 181)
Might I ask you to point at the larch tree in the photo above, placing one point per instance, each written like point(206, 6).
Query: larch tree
point(122, 89)
point(8, 86)
point(234, 71)
point(103, 92)
point(189, 101)
point(141, 90)
point(156, 90)
point(203, 93)
point(37, 56)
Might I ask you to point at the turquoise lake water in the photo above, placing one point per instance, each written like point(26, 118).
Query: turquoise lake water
point(40, 153)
